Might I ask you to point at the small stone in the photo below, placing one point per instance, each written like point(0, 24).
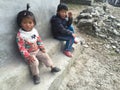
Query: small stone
point(102, 35)
point(118, 24)
point(114, 47)
point(97, 29)
point(85, 15)
point(107, 46)
point(82, 41)
point(111, 17)
point(86, 46)
point(117, 50)
point(116, 32)
point(86, 20)
point(85, 23)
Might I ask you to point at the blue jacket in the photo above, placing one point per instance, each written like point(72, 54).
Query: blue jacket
point(59, 26)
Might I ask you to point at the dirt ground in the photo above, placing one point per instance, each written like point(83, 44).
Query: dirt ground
point(98, 68)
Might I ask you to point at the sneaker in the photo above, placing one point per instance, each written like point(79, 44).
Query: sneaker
point(55, 69)
point(68, 53)
point(36, 79)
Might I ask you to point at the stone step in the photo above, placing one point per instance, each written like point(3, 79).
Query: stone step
point(50, 81)
point(17, 71)
point(16, 76)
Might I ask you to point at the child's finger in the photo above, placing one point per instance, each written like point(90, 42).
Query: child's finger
point(69, 14)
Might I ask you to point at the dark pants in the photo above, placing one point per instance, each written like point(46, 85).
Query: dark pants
point(69, 40)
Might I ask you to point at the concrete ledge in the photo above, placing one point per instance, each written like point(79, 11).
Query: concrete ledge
point(52, 45)
point(51, 81)
point(65, 64)
point(16, 73)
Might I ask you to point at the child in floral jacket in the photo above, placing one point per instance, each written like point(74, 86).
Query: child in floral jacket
point(30, 44)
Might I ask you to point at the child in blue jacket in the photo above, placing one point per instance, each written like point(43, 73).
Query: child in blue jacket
point(62, 28)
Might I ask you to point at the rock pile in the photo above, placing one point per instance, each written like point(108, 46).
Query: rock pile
point(97, 21)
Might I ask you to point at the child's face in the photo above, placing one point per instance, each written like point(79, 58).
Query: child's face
point(63, 13)
point(27, 24)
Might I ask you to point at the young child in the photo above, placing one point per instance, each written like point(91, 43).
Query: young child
point(31, 45)
point(62, 28)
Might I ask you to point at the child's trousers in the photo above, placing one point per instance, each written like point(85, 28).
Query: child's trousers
point(69, 42)
point(39, 56)
point(69, 39)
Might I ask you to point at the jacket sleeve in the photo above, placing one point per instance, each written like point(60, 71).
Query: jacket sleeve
point(56, 23)
point(69, 22)
point(21, 46)
point(40, 43)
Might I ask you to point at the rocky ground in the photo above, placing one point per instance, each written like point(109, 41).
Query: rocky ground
point(98, 67)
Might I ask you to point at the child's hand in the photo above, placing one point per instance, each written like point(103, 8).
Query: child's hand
point(43, 50)
point(70, 14)
point(30, 59)
point(74, 35)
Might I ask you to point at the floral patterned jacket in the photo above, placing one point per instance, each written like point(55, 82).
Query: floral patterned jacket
point(28, 42)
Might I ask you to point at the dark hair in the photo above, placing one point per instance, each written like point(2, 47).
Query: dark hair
point(62, 6)
point(25, 14)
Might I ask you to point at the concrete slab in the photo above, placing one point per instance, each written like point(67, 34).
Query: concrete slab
point(16, 75)
point(17, 71)
point(51, 81)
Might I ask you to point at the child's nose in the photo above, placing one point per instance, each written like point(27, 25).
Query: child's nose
point(28, 24)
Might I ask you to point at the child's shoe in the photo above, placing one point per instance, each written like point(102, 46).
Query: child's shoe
point(36, 79)
point(55, 69)
point(68, 53)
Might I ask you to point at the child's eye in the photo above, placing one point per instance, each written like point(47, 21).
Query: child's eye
point(30, 22)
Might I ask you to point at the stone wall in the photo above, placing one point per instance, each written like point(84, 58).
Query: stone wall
point(98, 21)
point(43, 10)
